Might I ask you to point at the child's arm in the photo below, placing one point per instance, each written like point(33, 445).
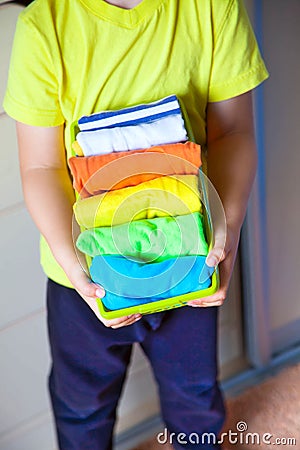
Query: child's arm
point(231, 163)
point(49, 197)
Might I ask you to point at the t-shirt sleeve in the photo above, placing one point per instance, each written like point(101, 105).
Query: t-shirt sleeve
point(237, 65)
point(32, 94)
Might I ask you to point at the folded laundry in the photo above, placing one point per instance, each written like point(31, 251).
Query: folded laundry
point(166, 130)
point(148, 240)
point(131, 116)
point(163, 196)
point(93, 174)
point(77, 149)
point(128, 283)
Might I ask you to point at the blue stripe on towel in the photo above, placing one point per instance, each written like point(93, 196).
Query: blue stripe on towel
point(132, 115)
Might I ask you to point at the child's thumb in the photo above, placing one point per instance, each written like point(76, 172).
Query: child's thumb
point(86, 286)
point(215, 256)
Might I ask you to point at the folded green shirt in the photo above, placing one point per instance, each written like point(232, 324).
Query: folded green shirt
point(148, 240)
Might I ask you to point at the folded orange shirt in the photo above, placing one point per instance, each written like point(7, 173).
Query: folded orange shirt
point(95, 174)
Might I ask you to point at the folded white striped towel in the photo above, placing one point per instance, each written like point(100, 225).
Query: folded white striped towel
point(167, 130)
point(131, 116)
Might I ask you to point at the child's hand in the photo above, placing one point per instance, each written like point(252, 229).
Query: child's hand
point(89, 291)
point(226, 258)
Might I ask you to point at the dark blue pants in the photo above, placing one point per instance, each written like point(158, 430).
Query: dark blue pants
point(90, 363)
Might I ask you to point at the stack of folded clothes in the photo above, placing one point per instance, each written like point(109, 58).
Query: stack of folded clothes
point(139, 204)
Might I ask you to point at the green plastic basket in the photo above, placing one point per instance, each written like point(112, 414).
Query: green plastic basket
point(181, 300)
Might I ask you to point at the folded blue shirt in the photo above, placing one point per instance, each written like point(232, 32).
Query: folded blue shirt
point(129, 283)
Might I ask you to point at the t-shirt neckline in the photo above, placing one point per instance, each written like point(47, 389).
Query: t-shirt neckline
point(128, 18)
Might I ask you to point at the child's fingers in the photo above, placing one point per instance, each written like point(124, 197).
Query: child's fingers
point(216, 299)
point(100, 292)
point(83, 284)
point(113, 323)
point(215, 256)
point(124, 321)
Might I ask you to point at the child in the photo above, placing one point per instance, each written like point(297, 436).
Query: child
point(76, 57)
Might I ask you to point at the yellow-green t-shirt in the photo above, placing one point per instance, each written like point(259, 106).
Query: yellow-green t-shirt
point(75, 57)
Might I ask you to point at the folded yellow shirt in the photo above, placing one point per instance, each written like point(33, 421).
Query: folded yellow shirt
point(163, 196)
